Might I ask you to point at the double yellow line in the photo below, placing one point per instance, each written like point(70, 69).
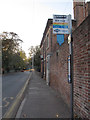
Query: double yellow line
point(11, 112)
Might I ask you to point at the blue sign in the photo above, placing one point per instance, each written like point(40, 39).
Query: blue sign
point(56, 30)
point(60, 39)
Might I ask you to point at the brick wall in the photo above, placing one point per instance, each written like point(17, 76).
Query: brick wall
point(81, 68)
point(81, 61)
point(59, 69)
point(79, 12)
point(87, 8)
point(45, 49)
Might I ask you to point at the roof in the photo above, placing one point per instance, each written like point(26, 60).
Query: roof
point(49, 22)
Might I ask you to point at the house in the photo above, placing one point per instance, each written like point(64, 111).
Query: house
point(54, 60)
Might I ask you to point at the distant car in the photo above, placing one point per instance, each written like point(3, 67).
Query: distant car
point(22, 70)
point(31, 70)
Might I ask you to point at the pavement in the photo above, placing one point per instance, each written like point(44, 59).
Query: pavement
point(41, 101)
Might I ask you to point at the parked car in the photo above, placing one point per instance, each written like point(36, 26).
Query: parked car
point(22, 70)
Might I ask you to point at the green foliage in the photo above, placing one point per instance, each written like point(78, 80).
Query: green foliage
point(35, 51)
point(12, 57)
point(18, 62)
point(37, 60)
point(23, 55)
point(32, 51)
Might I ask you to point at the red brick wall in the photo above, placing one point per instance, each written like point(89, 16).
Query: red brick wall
point(87, 9)
point(81, 68)
point(79, 12)
point(81, 61)
point(59, 69)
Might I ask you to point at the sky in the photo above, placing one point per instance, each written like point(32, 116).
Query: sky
point(28, 18)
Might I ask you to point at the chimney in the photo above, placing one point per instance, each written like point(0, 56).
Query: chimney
point(87, 9)
point(79, 11)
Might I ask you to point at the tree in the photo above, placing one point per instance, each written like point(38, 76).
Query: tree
point(10, 41)
point(32, 51)
point(10, 49)
point(35, 51)
point(37, 61)
point(18, 62)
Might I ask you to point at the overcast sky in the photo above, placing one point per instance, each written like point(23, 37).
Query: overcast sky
point(28, 18)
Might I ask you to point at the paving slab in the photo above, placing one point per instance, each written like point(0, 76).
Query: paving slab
point(42, 101)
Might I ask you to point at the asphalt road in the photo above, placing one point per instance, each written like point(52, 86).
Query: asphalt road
point(12, 83)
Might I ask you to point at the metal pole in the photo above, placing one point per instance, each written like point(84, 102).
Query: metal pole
point(71, 67)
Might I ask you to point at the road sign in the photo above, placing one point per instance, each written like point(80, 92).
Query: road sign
point(61, 24)
point(60, 39)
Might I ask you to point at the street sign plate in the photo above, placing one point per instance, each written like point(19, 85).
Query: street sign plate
point(61, 24)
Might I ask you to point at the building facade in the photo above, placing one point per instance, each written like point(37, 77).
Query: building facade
point(54, 60)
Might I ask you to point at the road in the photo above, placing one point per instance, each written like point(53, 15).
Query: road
point(12, 83)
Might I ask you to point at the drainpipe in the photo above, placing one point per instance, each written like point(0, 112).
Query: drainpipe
point(43, 63)
point(72, 78)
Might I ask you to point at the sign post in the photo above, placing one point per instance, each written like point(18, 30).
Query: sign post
point(70, 41)
point(62, 24)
